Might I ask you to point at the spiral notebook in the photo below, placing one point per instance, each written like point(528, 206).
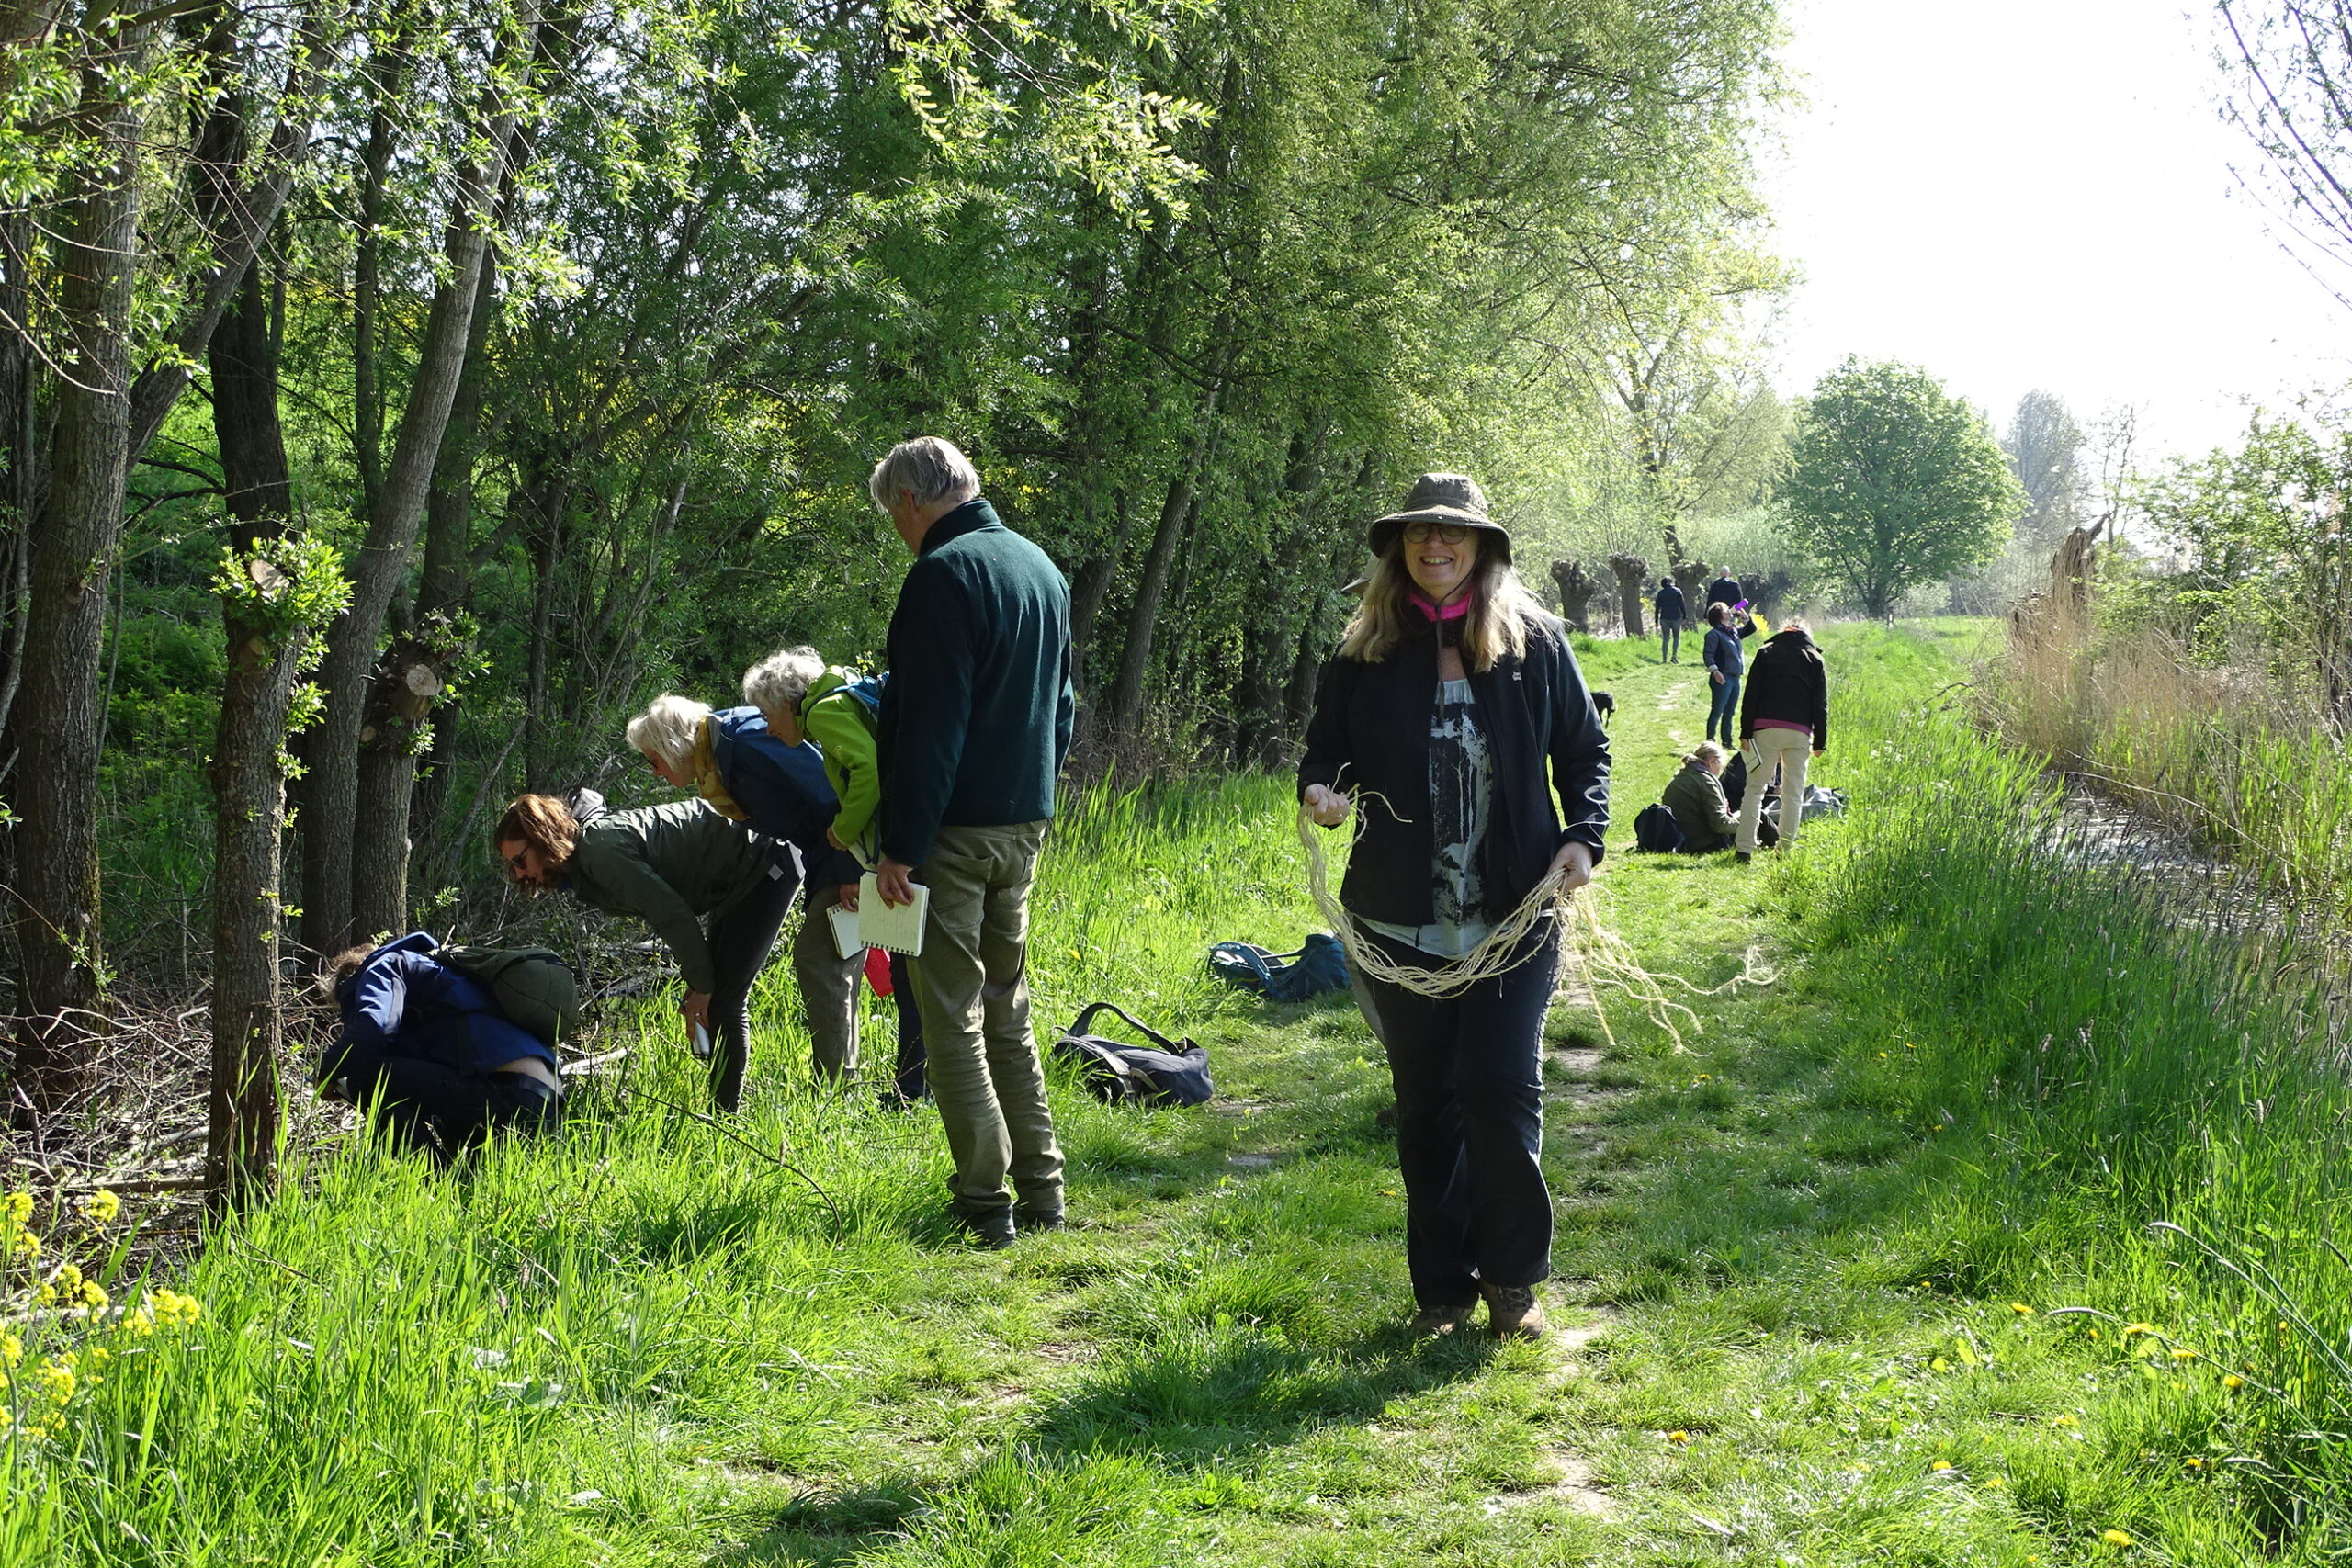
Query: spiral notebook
point(876, 924)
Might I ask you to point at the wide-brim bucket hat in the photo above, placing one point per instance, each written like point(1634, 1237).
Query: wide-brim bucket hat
point(1442, 497)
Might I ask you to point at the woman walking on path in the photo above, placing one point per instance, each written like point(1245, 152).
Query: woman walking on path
point(1783, 723)
point(1452, 691)
point(668, 866)
point(1723, 659)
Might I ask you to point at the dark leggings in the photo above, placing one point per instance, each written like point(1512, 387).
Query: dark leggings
point(1470, 1123)
point(439, 1110)
point(909, 1085)
point(740, 942)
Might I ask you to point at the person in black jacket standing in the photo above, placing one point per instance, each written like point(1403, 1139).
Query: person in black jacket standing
point(1672, 611)
point(1783, 722)
point(1452, 693)
point(974, 727)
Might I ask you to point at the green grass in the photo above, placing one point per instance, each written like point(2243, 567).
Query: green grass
point(1980, 1075)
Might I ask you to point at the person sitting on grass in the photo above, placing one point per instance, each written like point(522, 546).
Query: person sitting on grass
point(1695, 795)
point(774, 783)
point(837, 711)
point(670, 866)
point(427, 1053)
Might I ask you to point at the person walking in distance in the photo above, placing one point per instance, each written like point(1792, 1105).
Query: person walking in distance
point(1725, 589)
point(974, 727)
point(1783, 722)
point(1671, 608)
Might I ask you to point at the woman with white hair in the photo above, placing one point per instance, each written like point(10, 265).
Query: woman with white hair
point(774, 785)
point(1453, 695)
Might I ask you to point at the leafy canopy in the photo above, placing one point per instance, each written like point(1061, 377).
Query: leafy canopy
point(1895, 483)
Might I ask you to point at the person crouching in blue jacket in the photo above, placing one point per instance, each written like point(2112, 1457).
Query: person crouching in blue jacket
point(426, 1053)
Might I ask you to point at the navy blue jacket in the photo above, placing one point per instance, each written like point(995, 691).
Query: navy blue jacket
point(781, 789)
point(977, 718)
point(1672, 610)
point(1722, 651)
point(401, 1003)
point(1725, 590)
point(1370, 732)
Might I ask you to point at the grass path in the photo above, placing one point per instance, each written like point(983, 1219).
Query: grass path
point(1780, 1341)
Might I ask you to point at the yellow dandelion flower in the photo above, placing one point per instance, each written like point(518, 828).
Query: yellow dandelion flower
point(2115, 1538)
point(2063, 1421)
point(2192, 1463)
point(2022, 1309)
point(1996, 1481)
point(2180, 1354)
point(2233, 1380)
point(1942, 1465)
point(2130, 1329)
point(101, 1207)
point(1680, 1440)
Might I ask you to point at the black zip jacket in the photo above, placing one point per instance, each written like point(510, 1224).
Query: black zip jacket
point(1787, 681)
point(1371, 732)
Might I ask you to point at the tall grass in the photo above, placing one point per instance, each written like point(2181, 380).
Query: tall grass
point(2115, 1049)
point(2237, 758)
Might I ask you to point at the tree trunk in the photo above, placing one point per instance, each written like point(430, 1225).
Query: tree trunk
point(1134, 656)
point(1577, 589)
point(248, 787)
point(1633, 582)
point(1095, 580)
point(331, 802)
point(388, 759)
point(56, 907)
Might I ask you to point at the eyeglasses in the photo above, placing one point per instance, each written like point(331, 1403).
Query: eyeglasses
point(1451, 533)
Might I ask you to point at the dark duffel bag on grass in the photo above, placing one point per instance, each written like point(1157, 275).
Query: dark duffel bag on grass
point(1321, 965)
point(1165, 1072)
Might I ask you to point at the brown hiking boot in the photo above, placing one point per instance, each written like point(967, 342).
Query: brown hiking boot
point(1513, 1312)
point(1431, 1321)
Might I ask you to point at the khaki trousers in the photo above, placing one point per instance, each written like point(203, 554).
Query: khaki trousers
point(972, 985)
point(828, 983)
point(1789, 750)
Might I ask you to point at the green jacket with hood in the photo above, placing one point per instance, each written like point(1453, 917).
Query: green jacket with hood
point(668, 866)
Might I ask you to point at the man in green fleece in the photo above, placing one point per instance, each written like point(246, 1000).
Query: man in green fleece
point(974, 724)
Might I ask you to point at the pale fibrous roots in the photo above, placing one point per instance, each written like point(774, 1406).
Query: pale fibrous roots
point(1550, 912)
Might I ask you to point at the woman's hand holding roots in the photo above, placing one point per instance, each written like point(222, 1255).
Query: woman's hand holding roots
point(1325, 806)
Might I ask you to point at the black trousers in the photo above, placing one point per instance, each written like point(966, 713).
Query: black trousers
point(909, 1077)
point(441, 1111)
point(740, 942)
point(1469, 1081)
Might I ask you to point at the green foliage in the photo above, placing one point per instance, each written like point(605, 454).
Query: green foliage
point(284, 586)
point(1895, 482)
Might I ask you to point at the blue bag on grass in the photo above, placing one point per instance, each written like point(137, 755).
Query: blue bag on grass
point(1321, 965)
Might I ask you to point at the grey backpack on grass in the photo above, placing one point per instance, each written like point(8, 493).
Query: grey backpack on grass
point(532, 986)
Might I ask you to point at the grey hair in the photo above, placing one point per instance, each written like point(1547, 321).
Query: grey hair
point(930, 468)
point(669, 727)
point(777, 684)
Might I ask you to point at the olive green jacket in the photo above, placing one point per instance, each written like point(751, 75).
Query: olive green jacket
point(1696, 798)
point(668, 866)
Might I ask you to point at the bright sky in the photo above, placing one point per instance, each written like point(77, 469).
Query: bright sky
point(2037, 193)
